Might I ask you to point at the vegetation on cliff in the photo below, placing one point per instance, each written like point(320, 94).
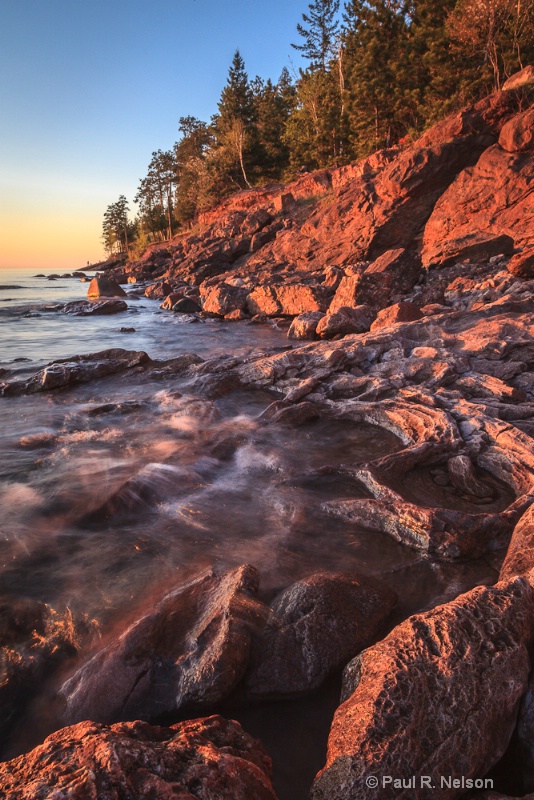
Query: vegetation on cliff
point(378, 73)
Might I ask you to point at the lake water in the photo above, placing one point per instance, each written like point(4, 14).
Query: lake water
point(112, 493)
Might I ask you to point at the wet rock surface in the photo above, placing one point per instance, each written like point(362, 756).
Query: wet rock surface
point(315, 627)
point(191, 651)
point(422, 701)
point(209, 758)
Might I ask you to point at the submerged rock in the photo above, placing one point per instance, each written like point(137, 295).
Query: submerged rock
point(78, 369)
point(208, 759)
point(437, 697)
point(190, 652)
point(85, 308)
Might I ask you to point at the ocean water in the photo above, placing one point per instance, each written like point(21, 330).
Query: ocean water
point(113, 493)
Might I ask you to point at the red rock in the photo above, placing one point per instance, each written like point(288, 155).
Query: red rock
point(517, 135)
point(104, 287)
point(520, 555)
point(346, 294)
point(522, 264)
point(437, 697)
point(396, 271)
point(171, 300)
point(287, 300)
point(399, 312)
point(208, 759)
point(344, 321)
point(223, 299)
point(484, 118)
point(477, 245)
point(493, 198)
point(236, 316)
point(521, 78)
point(317, 625)
point(191, 651)
point(305, 325)
point(157, 291)
point(284, 202)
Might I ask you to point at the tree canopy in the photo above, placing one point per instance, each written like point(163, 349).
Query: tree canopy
point(377, 73)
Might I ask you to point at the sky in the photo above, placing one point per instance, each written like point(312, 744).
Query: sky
point(88, 90)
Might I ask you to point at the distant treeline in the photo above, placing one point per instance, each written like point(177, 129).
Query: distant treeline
point(378, 73)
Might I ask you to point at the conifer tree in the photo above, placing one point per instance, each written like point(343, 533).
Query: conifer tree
point(320, 35)
point(234, 126)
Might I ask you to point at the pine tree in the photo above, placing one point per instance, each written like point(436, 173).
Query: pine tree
point(190, 154)
point(234, 126)
point(273, 105)
point(320, 35)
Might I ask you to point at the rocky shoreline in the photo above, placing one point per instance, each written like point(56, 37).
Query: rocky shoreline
point(405, 283)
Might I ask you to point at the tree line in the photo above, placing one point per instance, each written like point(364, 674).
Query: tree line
point(378, 73)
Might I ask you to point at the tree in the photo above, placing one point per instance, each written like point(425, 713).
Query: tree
point(191, 153)
point(320, 35)
point(116, 227)
point(155, 194)
point(500, 32)
point(273, 104)
point(234, 128)
point(379, 103)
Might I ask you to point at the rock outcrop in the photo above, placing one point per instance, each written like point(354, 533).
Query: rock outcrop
point(208, 759)
point(438, 697)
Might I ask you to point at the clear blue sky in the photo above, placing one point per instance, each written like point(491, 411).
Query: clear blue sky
point(89, 90)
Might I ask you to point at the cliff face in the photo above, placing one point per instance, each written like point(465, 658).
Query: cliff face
point(466, 181)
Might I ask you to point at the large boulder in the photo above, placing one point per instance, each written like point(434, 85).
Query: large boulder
point(189, 652)
point(78, 369)
point(477, 245)
point(437, 697)
point(495, 197)
point(346, 294)
point(317, 625)
point(344, 321)
point(517, 135)
point(104, 287)
point(522, 264)
point(159, 290)
point(224, 299)
point(208, 759)
point(287, 300)
point(305, 325)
